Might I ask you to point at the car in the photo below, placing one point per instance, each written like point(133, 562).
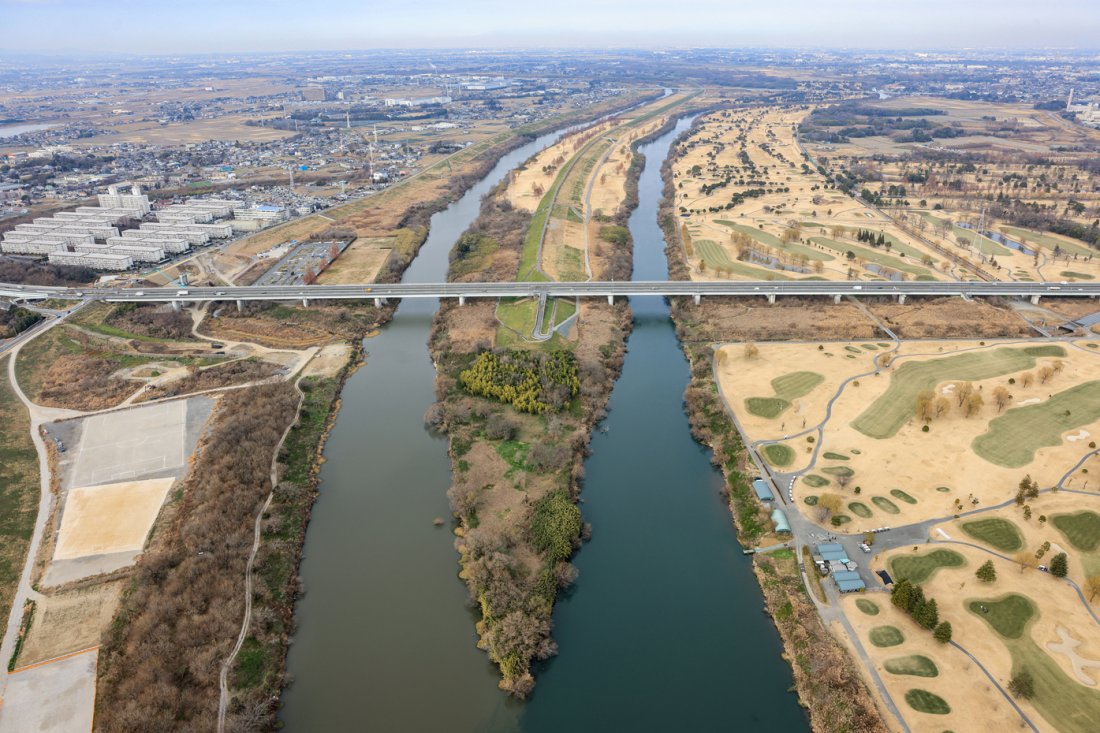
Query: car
point(220, 292)
point(181, 292)
point(217, 346)
point(368, 290)
point(140, 293)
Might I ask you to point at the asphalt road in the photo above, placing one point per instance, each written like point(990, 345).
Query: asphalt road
point(559, 289)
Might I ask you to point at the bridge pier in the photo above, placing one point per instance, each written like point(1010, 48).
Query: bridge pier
point(771, 298)
point(462, 300)
point(837, 297)
point(305, 302)
point(901, 298)
point(611, 300)
point(1035, 299)
point(698, 298)
point(379, 302)
point(176, 306)
point(240, 305)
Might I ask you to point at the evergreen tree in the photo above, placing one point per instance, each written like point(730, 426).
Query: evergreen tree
point(900, 593)
point(928, 615)
point(1022, 685)
point(916, 600)
point(942, 634)
point(1059, 565)
point(987, 573)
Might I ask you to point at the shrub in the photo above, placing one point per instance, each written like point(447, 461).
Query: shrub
point(555, 525)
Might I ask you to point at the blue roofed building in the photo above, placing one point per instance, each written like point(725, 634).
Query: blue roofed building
point(781, 524)
point(848, 581)
point(763, 492)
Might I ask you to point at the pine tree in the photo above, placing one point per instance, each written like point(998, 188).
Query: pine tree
point(987, 573)
point(928, 614)
point(942, 634)
point(916, 600)
point(900, 593)
point(1059, 565)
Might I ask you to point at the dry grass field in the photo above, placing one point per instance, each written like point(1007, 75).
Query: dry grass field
point(888, 465)
point(109, 518)
point(750, 208)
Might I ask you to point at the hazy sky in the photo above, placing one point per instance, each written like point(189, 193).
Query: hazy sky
point(176, 26)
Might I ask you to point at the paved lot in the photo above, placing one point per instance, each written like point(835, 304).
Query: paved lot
point(126, 445)
point(57, 697)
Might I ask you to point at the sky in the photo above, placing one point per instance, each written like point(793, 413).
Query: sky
point(197, 26)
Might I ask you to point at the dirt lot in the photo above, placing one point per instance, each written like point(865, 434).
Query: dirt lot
point(359, 263)
point(71, 621)
point(109, 518)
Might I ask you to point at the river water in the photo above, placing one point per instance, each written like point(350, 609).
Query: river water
point(664, 630)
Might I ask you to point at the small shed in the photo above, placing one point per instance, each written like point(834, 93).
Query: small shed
point(781, 524)
point(763, 492)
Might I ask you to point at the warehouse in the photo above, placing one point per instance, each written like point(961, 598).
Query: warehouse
point(763, 492)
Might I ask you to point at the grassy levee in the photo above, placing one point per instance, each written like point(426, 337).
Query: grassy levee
point(787, 387)
point(919, 568)
point(1081, 529)
point(870, 255)
point(1067, 705)
point(916, 665)
point(19, 482)
point(770, 240)
point(1000, 534)
point(1013, 438)
point(886, 415)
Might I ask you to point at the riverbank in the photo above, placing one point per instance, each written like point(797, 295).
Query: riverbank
point(827, 679)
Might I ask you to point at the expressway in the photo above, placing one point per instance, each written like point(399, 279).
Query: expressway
point(591, 289)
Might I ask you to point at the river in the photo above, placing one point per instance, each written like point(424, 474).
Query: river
point(662, 632)
point(19, 128)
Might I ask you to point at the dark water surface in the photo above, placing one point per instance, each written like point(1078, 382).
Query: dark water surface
point(662, 632)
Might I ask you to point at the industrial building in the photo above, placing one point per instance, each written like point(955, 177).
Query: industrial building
point(763, 492)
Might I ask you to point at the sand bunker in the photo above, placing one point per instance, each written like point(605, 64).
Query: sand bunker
point(109, 518)
point(1068, 646)
point(1079, 435)
point(1032, 401)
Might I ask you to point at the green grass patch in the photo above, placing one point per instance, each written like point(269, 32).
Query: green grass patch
point(814, 481)
point(716, 258)
point(1082, 529)
point(919, 568)
point(518, 314)
point(252, 661)
point(1008, 615)
point(886, 415)
point(767, 407)
point(883, 636)
point(885, 505)
point(924, 701)
point(831, 456)
point(810, 500)
point(778, 454)
point(770, 240)
point(1076, 275)
point(860, 509)
point(943, 489)
point(902, 496)
point(868, 607)
point(916, 665)
point(787, 387)
point(839, 519)
point(853, 349)
point(907, 264)
point(1000, 534)
point(1012, 438)
point(838, 471)
point(1047, 241)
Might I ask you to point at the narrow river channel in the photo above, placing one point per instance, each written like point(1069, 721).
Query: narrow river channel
point(664, 630)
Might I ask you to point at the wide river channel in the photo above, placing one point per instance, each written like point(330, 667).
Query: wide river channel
point(664, 629)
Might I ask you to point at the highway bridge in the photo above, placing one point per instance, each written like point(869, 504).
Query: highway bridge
point(593, 289)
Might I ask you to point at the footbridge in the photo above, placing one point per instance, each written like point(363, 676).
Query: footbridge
point(592, 289)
